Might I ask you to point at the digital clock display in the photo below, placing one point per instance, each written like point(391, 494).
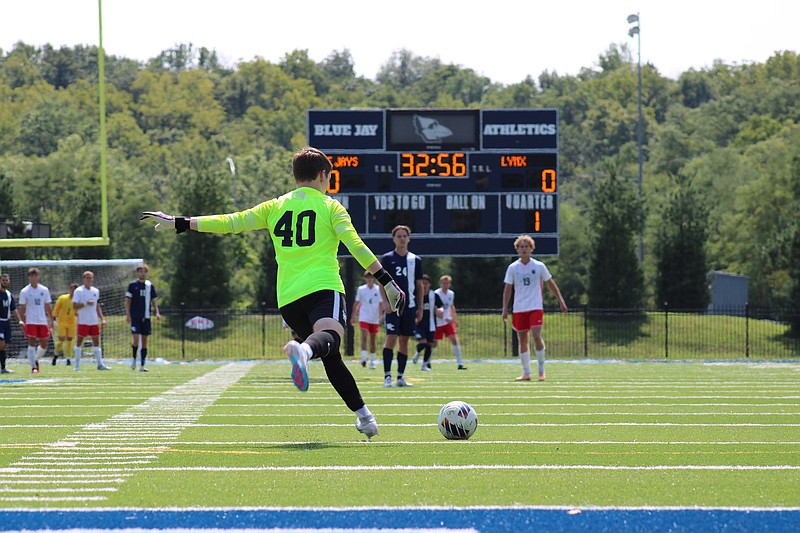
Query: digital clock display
point(439, 164)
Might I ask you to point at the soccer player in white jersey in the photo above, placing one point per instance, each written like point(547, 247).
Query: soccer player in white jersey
point(368, 310)
point(85, 301)
point(525, 277)
point(447, 325)
point(35, 305)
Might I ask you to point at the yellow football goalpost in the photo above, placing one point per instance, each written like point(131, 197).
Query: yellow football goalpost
point(103, 240)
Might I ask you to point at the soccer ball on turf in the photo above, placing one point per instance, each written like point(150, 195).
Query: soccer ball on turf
point(458, 421)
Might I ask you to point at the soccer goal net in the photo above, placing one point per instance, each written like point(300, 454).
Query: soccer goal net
point(111, 277)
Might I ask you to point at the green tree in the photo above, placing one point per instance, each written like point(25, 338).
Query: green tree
point(201, 269)
point(615, 275)
point(682, 268)
point(53, 118)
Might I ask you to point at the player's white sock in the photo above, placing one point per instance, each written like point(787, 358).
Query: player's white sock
point(540, 359)
point(363, 355)
point(364, 411)
point(372, 357)
point(98, 354)
point(525, 359)
point(32, 355)
point(457, 353)
point(40, 353)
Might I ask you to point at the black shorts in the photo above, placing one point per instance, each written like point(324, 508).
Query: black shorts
point(140, 326)
point(5, 331)
point(404, 325)
point(422, 333)
point(302, 314)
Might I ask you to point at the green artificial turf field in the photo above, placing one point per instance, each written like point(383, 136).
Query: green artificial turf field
point(239, 434)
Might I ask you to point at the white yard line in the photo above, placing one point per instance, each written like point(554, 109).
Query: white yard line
point(159, 420)
point(391, 468)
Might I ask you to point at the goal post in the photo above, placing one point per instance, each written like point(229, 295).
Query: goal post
point(104, 239)
point(111, 277)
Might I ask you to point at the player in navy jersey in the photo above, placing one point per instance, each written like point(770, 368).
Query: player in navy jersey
point(7, 306)
point(432, 307)
point(406, 269)
point(139, 297)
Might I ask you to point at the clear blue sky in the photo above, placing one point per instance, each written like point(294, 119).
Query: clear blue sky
point(503, 39)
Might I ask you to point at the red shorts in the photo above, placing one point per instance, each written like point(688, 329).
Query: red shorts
point(527, 319)
point(444, 331)
point(88, 331)
point(372, 328)
point(37, 331)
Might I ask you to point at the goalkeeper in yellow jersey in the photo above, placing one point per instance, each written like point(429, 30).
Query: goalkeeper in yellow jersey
point(64, 315)
point(306, 227)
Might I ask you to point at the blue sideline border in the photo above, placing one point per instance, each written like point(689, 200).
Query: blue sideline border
point(483, 519)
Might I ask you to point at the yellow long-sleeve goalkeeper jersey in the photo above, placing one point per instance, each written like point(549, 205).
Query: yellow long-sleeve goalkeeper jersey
point(63, 312)
point(306, 227)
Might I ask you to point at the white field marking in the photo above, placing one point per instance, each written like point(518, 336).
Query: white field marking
point(6, 490)
point(268, 409)
point(533, 412)
point(550, 386)
point(71, 476)
point(445, 442)
point(523, 424)
point(390, 468)
point(125, 436)
point(432, 395)
point(82, 463)
point(54, 499)
point(184, 404)
point(61, 482)
point(533, 406)
point(325, 401)
point(419, 507)
point(62, 406)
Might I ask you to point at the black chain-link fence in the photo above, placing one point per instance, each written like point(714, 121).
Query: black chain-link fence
point(739, 333)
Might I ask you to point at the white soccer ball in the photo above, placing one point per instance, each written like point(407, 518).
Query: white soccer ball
point(458, 421)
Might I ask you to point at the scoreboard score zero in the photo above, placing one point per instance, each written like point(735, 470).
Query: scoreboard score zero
point(466, 181)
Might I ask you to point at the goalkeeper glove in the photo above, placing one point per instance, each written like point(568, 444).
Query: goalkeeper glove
point(179, 224)
point(396, 296)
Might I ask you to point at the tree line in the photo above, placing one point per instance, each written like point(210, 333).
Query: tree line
point(721, 170)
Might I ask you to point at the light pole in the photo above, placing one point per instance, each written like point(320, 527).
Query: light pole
point(635, 29)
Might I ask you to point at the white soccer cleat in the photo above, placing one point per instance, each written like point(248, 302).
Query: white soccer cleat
point(372, 365)
point(401, 382)
point(426, 367)
point(299, 365)
point(133, 365)
point(387, 382)
point(415, 359)
point(367, 425)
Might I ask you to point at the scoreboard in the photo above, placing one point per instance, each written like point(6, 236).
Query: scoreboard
point(466, 181)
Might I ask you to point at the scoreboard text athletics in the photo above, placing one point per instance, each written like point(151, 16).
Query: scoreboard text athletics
point(466, 181)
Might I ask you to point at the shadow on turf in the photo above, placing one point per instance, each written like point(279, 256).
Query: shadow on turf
point(305, 446)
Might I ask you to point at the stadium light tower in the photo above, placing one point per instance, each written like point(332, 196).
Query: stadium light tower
point(635, 29)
